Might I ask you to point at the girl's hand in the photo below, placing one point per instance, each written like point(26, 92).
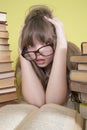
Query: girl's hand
point(61, 39)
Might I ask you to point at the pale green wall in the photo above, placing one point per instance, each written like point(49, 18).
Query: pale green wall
point(73, 14)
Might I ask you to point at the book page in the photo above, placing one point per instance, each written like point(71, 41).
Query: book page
point(12, 115)
point(51, 117)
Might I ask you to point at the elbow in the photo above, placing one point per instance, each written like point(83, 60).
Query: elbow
point(37, 104)
point(60, 102)
point(57, 100)
point(36, 101)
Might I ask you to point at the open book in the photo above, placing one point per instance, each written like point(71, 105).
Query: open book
point(48, 117)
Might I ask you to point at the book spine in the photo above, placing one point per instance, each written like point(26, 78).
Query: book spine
point(4, 40)
point(4, 34)
point(83, 49)
point(78, 86)
point(8, 97)
point(3, 17)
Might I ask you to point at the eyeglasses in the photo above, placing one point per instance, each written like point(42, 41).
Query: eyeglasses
point(46, 50)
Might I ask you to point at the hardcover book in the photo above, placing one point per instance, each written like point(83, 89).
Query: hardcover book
point(6, 66)
point(3, 17)
point(5, 55)
point(3, 40)
point(8, 97)
point(3, 27)
point(7, 74)
point(79, 59)
point(78, 86)
point(78, 75)
point(82, 66)
point(7, 82)
point(7, 90)
point(84, 48)
point(4, 47)
point(4, 34)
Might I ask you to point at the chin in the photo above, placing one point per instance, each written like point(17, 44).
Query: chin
point(42, 66)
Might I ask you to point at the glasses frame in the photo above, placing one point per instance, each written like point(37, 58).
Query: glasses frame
point(37, 51)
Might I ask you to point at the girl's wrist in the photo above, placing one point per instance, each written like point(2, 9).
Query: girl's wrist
point(61, 44)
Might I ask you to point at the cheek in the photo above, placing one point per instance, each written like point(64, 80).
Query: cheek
point(49, 58)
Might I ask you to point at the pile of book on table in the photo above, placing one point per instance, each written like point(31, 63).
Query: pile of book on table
point(78, 79)
point(7, 74)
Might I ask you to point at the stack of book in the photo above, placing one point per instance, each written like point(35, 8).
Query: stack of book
point(78, 79)
point(7, 74)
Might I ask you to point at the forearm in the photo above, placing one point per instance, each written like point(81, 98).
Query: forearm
point(57, 85)
point(32, 88)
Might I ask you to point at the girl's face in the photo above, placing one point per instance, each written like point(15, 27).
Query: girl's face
point(41, 60)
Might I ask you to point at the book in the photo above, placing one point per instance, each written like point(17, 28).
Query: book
point(4, 47)
point(84, 48)
point(4, 34)
point(3, 17)
point(78, 59)
point(7, 82)
point(78, 75)
point(3, 40)
point(8, 97)
point(82, 66)
point(7, 90)
point(78, 86)
point(16, 101)
point(47, 117)
point(3, 27)
point(7, 74)
point(6, 66)
point(83, 97)
point(83, 110)
point(5, 55)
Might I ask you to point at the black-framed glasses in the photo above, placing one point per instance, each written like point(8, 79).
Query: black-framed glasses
point(45, 50)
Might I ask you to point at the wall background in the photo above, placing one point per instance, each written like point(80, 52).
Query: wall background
point(73, 14)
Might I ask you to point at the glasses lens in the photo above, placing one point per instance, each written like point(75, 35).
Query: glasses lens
point(46, 51)
point(29, 56)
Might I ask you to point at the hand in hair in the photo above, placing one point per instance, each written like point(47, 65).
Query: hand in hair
point(61, 40)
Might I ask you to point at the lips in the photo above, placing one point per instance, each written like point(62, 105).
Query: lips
point(40, 61)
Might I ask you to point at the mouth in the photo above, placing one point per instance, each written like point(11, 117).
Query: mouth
point(40, 61)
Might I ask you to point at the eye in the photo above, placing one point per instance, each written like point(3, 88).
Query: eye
point(29, 46)
point(49, 41)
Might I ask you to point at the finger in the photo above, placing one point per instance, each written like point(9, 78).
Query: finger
point(54, 20)
point(49, 19)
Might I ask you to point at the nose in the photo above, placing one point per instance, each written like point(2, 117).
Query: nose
point(37, 53)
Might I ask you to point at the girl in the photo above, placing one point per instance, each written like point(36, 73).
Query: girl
point(44, 58)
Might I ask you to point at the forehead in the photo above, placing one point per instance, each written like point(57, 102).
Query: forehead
point(37, 41)
point(42, 36)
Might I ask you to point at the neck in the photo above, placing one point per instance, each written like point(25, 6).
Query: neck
point(47, 69)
